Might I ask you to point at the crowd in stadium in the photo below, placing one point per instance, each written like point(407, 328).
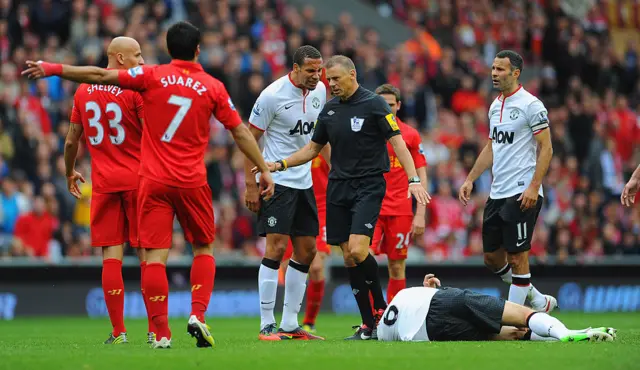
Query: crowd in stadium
point(592, 93)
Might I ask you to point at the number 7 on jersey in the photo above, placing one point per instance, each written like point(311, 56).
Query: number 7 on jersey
point(185, 105)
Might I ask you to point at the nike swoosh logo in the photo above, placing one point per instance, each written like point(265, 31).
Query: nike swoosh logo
point(289, 106)
point(364, 336)
point(519, 244)
point(266, 302)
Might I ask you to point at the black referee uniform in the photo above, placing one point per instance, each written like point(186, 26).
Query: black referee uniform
point(357, 130)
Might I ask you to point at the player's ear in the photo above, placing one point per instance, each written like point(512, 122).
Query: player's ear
point(399, 104)
point(120, 58)
point(197, 51)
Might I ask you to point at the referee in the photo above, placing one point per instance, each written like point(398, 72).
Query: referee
point(357, 124)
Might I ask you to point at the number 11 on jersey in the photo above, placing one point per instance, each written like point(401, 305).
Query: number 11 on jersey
point(185, 105)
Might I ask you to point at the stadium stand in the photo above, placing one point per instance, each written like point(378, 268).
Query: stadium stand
point(586, 70)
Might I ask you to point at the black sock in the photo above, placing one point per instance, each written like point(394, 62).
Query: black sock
point(360, 291)
point(370, 268)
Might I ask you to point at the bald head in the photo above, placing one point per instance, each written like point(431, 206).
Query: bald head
point(124, 53)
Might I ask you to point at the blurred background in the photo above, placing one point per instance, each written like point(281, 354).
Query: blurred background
point(581, 59)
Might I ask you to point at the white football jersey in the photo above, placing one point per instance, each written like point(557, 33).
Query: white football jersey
point(514, 120)
point(287, 115)
point(405, 319)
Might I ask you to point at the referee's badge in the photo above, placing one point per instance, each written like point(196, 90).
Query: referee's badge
point(356, 124)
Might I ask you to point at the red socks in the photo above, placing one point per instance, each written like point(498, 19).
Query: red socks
point(203, 272)
point(156, 289)
point(394, 287)
point(315, 292)
point(150, 325)
point(113, 288)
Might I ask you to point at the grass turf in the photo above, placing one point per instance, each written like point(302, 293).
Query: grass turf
point(76, 343)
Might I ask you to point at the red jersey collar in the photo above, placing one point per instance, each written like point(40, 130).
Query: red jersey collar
point(506, 96)
point(187, 64)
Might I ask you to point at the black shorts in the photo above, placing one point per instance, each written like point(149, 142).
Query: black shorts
point(506, 226)
point(462, 315)
point(353, 207)
point(290, 212)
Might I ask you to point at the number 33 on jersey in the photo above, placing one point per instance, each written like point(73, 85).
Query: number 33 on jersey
point(112, 121)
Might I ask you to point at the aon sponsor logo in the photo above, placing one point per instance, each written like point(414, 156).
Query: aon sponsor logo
point(301, 128)
point(502, 137)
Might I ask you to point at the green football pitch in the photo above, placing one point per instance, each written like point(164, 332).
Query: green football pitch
point(76, 343)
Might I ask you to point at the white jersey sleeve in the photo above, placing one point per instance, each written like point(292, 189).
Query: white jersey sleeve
point(537, 116)
point(263, 111)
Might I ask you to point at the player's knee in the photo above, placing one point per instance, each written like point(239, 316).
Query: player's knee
point(358, 247)
point(306, 254)
point(276, 246)
point(397, 269)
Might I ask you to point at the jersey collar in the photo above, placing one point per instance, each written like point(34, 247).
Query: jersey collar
point(304, 89)
point(187, 65)
point(503, 97)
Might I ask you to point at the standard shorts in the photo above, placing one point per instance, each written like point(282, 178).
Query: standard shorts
point(114, 218)
point(506, 226)
point(462, 315)
point(353, 207)
point(321, 239)
point(290, 212)
point(158, 203)
point(392, 236)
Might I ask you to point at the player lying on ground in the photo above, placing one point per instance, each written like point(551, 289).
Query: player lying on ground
point(111, 119)
point(431, 313)
point(180, 99)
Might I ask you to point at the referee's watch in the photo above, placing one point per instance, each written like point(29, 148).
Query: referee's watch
point(414, 180)
point(283, 166)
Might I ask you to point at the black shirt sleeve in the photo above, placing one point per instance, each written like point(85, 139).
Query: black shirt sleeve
point(384, 118)
point(320, 134)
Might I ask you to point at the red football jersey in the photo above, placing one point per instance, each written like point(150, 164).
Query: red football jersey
point(179, 100)
point(395, 201)
point(320, 175)
point(111, 118)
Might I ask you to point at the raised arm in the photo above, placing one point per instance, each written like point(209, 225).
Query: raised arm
point(84, 74)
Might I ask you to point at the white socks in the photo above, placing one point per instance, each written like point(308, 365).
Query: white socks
point(547, 326)
point(295, 285)
point(539, 338)
point(536, 298)
point(505, 273)
point(267, 288)
point(519, 289)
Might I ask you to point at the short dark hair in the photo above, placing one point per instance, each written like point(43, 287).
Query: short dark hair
point(183, 39)
point(342, 60)
point(304, 52)
point(514, 58)
point(389, 89)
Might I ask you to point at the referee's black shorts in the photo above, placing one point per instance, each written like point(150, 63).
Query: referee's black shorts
point(353, 207)
point(462, 315)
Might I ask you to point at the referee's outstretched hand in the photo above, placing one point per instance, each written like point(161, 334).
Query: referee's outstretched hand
point(419, 193)
point(272, 168)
